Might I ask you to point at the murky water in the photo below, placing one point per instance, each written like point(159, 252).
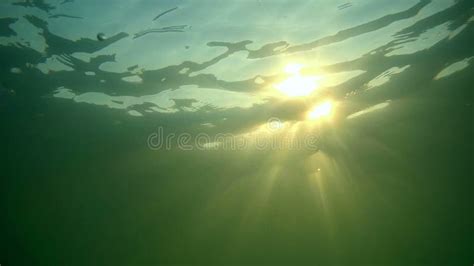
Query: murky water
point(237, 132)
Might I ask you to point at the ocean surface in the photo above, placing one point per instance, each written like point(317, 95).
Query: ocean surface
point(142, 132)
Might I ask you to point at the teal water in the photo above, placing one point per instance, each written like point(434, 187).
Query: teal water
point(236, 132)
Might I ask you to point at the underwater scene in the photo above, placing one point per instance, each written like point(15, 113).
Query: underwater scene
point(237, 132)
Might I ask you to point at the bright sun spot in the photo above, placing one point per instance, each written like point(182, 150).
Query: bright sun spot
point(297, 85)
point(293, 68)
point(321, 110)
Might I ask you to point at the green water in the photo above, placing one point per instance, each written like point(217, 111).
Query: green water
point(236, 132)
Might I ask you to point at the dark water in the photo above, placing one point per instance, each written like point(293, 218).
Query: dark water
point(237, 132)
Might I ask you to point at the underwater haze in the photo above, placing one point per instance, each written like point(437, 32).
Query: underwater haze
point(237, 132)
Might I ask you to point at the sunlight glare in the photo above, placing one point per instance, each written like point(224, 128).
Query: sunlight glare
point(297, 85)
point(293, 68)
point(319, 111)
